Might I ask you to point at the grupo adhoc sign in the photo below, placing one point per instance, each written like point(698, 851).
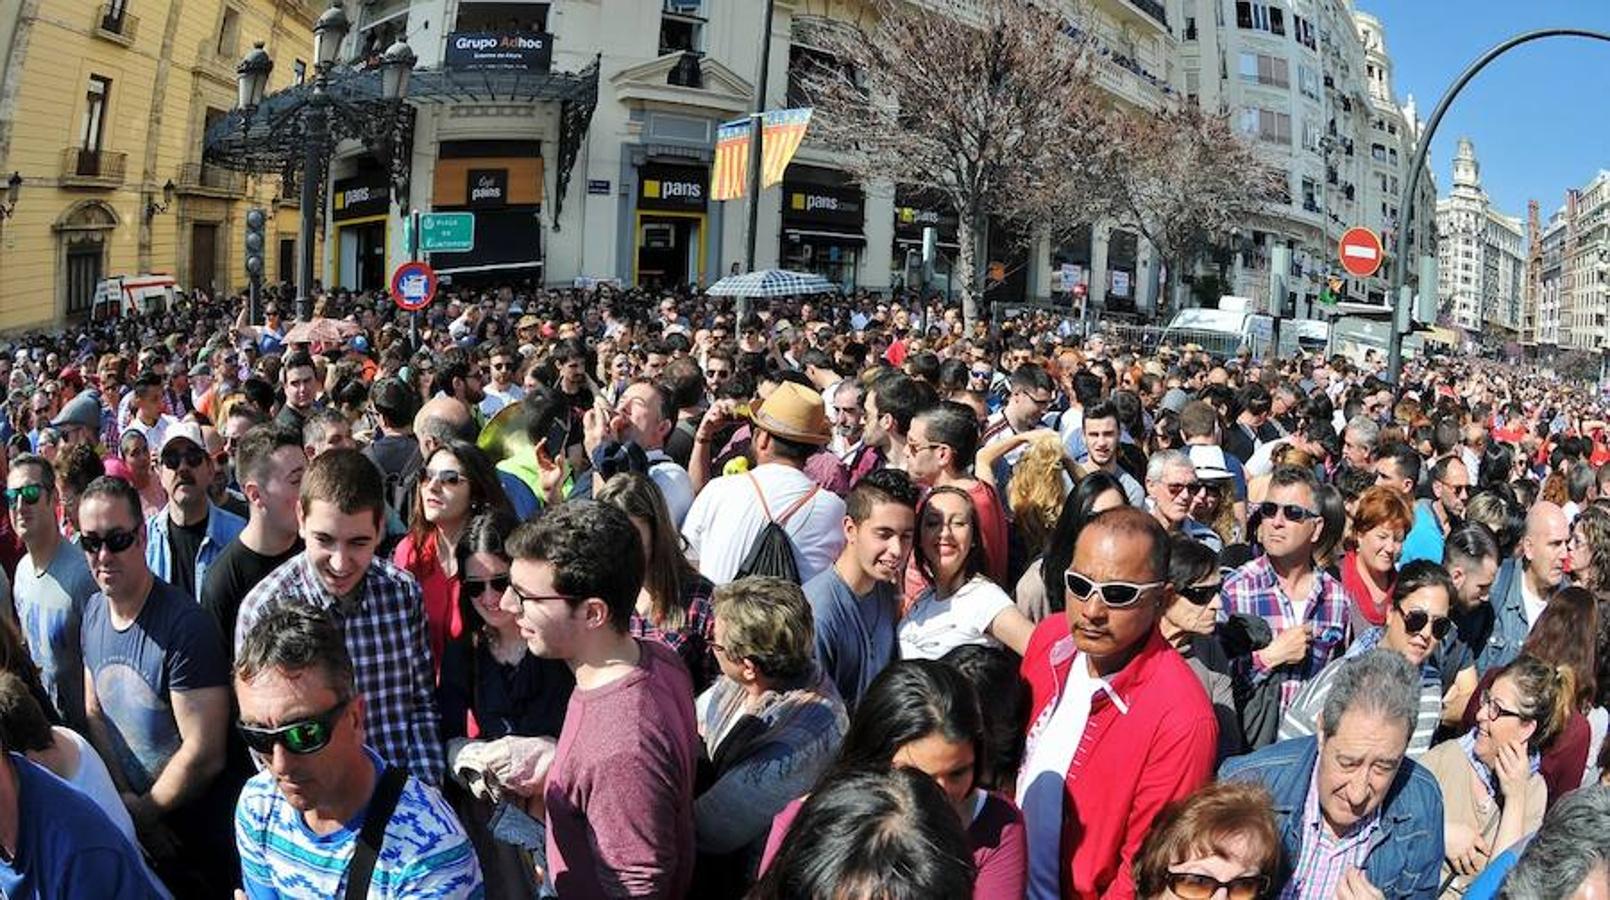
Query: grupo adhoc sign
point(527, 50)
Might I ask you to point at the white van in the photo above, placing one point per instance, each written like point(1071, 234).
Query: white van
point(1221, 331)
point(133, 294)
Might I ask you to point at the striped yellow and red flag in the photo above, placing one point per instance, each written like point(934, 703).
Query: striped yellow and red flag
point(731, 171)
point(782, 131)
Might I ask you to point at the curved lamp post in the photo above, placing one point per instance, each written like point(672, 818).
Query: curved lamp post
point(1406, 203)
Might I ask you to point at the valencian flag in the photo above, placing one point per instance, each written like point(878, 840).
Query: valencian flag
point(782, 131)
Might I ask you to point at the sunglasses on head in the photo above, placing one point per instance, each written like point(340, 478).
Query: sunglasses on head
point(1115, 594)
point(191, 456)
point(28, 494)
point(1191, 886)
point(1416, 620)
point(116, 541)
point(300, 738)
point(1291, 511)
point(478, 586)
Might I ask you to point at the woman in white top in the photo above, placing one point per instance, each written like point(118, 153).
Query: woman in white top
point(959, 605)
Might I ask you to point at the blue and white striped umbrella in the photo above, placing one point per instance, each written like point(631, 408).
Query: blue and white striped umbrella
point(771, 283)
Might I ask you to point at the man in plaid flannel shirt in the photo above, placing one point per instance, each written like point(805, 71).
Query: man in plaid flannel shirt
point(1305, 607)
point(377, 605)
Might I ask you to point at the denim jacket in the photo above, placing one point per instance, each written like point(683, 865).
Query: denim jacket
point(223, 527)
point(1404, 859)
point(1507, 627)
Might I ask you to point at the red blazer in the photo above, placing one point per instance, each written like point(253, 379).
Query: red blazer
point(1128, 764)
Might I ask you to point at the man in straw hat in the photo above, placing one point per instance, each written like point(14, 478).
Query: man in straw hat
point(731, 510)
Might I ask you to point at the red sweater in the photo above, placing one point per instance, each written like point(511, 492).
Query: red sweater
point(1128, 764)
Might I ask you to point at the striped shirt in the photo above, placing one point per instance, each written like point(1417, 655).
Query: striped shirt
point(424, 853)
point(1303, 716)
point(384, 625)
point(1253, 589)
point(1324, 858)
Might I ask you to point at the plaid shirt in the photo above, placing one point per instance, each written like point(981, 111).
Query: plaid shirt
point(692, 642)
point(1253, 589)
point(385, 634)
point(1325, 858)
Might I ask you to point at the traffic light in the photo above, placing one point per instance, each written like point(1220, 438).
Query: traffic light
point(256, 222)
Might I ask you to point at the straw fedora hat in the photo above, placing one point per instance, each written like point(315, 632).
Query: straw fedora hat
point(795, 413)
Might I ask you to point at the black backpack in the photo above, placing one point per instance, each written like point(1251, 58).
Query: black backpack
point(772, 552)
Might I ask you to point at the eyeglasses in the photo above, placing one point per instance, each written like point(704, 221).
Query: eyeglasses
point(475, 587)
point(1416, 620)
point(28, 494)
point(1201, 594)
point(1040, 402)
point(300, 738)
point(1462, 490)
point(449, 477)
point(717, 374)
point(1291, 511)
point(1494, 711)
point(1115, 594)
point(1191, 886)
point(116, 541)
point(538, 598)
point(192, 456)
point(914, 448)
point(1190, 487)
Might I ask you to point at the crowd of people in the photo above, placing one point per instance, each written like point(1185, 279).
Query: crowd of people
point(614, 593)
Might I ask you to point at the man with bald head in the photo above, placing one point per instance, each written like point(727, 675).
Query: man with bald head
point(1523, 586)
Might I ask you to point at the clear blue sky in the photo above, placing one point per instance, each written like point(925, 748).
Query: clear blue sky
point(1538, 114)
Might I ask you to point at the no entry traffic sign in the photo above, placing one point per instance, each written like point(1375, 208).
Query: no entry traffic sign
point(1361, 252)
point(413, 286)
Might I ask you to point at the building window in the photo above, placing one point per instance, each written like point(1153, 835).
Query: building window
point(682, 27)
point(1303, 30)
point(112, 20)
point(229, 33)
point(299, 72)
point(1308, 82)
point(1190, 28)
point(1311, 135)
point(1271, 71)
point(1268, 125)
point(1256, 15)
point(1378, 152)
point(100, 88)
point(1310, 195)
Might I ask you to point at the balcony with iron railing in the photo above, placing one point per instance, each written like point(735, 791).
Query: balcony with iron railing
point(113, 22)
point(81, 168)
point(210, 181)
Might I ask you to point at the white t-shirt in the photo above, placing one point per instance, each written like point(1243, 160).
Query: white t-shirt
point(1531, 603)
point(934, 627)
point(726, 516)
point(95, 782)
point(1041, 786)
point(153, 433)
point(674, 484)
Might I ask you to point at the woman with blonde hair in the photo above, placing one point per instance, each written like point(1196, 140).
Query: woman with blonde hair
point(1037, 490)
point(674, 605)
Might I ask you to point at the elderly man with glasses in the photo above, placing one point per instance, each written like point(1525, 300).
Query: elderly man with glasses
point(1171, 487)
point(1305, 607)
point(1120, 726)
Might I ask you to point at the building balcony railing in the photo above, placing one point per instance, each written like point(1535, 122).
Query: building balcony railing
point(200, 178)
point(83, 168)
point(1152, 9)
point(113, 22)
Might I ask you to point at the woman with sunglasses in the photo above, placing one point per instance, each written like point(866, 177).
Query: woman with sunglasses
point(1492, 791)
point(1416, 621)
point(494, 697)
point(958, 604)
point(674, 605)
point(1381, 519)
point(457, 483)
point(1220, 843)
point(1189, 619)
point(923, 715)
point(1564, 635)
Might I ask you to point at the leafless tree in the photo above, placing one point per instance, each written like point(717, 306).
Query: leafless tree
point(990, 106)
point(1182, 178)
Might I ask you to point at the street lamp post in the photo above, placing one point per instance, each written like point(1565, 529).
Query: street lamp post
point(1410, 184)
point(13, 190)
point(328, 33)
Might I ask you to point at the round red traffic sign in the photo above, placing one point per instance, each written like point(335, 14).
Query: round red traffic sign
point(413, 286)
point(1361, 252)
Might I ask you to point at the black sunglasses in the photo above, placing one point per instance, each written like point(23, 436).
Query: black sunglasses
point(301, 738)
point(1115, 594)
point(116, 541)
point(28, 494)
point(190, 456)
point(1291, 511)
point(1191, 886)
point(475, 587)
point(1416, 620)
point(1200, 594)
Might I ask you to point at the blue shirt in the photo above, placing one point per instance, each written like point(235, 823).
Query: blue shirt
point(172, 646)
point(223, 526)
point(855, 635)
point(1425, 539)
point(67, 849)
point(50, 611)
point(424, 854)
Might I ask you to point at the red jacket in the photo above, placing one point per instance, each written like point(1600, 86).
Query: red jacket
point(1128, 764)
